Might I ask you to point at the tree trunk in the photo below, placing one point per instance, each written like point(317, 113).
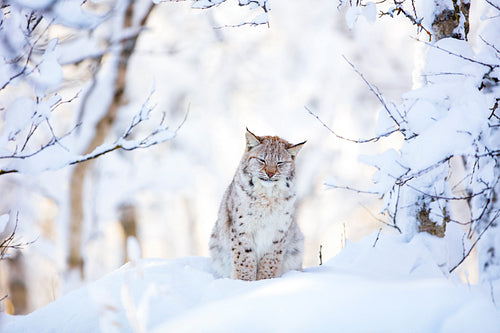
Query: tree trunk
point(448, 23)
point(103, 127)
point(18, 293)
point(128, 221)
point(452, 22)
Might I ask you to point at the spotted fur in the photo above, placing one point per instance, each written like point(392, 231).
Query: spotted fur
point(256, 235)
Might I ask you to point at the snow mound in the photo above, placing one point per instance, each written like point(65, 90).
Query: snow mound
point(392, 287)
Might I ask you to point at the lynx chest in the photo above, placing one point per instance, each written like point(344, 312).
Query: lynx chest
point(265, 221)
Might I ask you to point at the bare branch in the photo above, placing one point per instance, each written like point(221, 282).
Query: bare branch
point(8, 243)
point(490, 66)
point(42, 148)
point(374, 139)
point(398, 9)
point(378, 236)
point(332, 186)
point(406, 177)
point(493, 5)
point(396, 207)
point(377, 93)
point(320, 254)
point(475, 242)
point(394, 226)
point(159, 135)
point(442, 197)
point(252, 24)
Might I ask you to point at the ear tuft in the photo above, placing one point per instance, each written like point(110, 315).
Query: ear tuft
point(252, 139)
point(294, 149)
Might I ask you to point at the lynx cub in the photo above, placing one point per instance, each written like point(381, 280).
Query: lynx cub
point(256, 235)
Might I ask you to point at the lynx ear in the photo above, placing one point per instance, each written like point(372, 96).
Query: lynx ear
point(294, 149)
point(252, 140)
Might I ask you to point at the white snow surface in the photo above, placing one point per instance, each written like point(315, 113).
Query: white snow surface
point(4, 221)
point(392, 287)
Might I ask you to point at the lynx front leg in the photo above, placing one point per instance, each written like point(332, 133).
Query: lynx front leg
point(243, 255)
point(270, 263)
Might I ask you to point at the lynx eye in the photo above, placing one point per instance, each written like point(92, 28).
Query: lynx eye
point(261, 161)
point(280, 164)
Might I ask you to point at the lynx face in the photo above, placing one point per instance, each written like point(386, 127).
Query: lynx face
point(270, 159)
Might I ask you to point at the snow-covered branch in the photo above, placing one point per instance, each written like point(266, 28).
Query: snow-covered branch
point(54, 155)
point(29, 139)
point(262, 18)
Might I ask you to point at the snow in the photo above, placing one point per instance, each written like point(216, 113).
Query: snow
point(4, 220)
point(14, 39)
point(50, 71)
point(380, 284)
point(261, 19)
point(16, 118)
point(71, 13)
point(178, 183)
point(368, 11)
point(133, 249)
point(203, 4)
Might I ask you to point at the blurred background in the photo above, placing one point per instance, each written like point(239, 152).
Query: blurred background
point(224, 79)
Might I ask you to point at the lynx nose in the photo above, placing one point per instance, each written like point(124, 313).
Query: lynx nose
point(270, 173)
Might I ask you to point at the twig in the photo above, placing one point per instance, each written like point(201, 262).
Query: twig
point(252, 24)
point(490, 66)
point(413, 19)
point(475, 242)
point(374, 139)
point(351, 189)
point(378, 236)
point(6, 244)
point(396, 207)
point(50, 143)
point(150, 140)
point(493, 5)
point(442, 197)
point(376, 92)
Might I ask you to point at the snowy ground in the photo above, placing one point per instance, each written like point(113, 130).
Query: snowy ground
point(392, 287)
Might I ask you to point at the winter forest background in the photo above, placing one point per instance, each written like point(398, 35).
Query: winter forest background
point(124, 120)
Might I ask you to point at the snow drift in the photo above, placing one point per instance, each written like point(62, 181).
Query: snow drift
point(390, 287)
